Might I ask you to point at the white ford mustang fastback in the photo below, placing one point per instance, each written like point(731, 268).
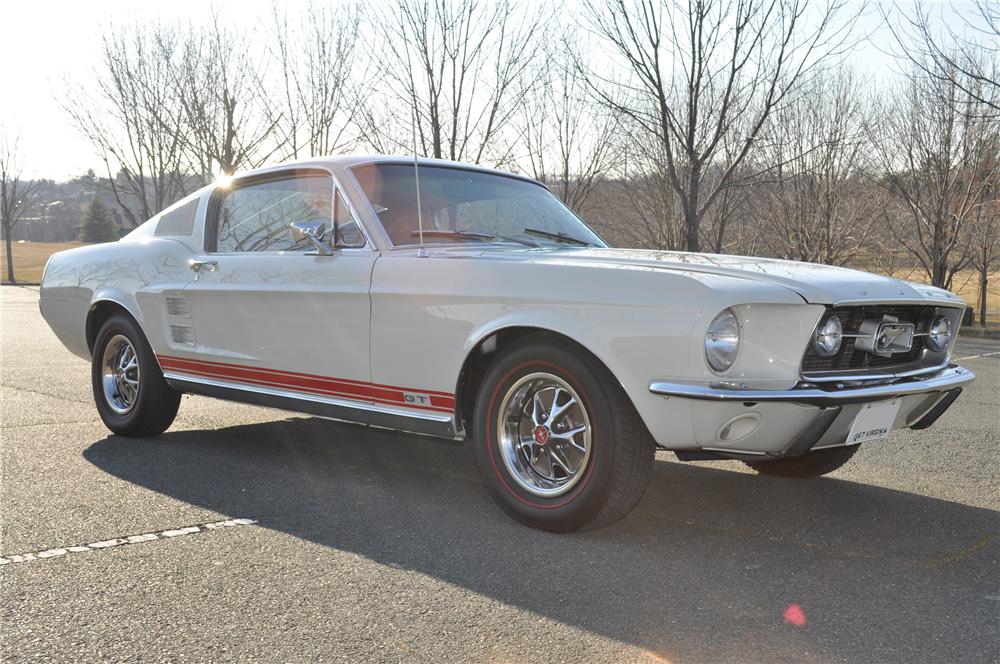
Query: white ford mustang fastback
point(467, 303)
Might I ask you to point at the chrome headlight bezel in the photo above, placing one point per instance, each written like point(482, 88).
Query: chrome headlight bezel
point(937, 340)
point(722, 341)
point(828, 337)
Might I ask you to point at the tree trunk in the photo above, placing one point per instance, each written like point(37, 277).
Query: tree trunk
point(692, 223)
point(940, 271)
point(691, 233)
point(10, 254)
point(983, 283)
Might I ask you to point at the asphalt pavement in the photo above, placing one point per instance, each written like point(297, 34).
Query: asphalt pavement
point(246, 534)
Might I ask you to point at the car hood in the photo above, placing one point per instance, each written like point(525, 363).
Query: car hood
point(816, 284)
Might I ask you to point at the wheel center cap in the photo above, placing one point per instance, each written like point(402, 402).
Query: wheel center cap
point(541, 435)
point(119, 374)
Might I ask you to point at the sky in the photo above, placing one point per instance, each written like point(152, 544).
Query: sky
point(44, 43)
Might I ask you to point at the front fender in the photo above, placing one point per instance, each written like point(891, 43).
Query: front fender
point(635, 339)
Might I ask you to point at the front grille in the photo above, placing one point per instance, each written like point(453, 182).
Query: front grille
point(850, 359)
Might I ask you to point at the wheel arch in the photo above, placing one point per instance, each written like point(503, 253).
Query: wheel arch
point(487, 347)
point(103, 307)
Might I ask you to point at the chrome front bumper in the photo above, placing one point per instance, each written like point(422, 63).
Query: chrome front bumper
point(808, 416)
point(824, 394)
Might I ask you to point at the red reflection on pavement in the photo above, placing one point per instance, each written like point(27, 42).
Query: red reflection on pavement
point(794, 615)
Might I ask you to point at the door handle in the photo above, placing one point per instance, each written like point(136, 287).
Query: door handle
point(207, 266)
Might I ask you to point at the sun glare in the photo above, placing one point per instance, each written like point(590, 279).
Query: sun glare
point(222, 179)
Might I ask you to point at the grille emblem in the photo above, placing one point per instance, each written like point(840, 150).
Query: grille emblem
point(885, 336)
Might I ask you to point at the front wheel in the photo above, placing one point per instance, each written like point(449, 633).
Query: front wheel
point(557, 441)
point(132, 396)
point(813, 464)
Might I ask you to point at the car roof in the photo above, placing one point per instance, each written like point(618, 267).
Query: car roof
point(352, 160)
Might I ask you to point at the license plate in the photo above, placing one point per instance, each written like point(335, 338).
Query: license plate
point(873, 422)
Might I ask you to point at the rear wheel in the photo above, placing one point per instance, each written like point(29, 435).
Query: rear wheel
point(132, 396)
point(813, 464)
point(557, 441)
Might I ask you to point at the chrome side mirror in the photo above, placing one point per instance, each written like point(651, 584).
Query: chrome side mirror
point(313, 231)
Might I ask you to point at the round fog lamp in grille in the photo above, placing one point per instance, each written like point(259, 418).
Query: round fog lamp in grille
point(828, 337)
point(939, 336)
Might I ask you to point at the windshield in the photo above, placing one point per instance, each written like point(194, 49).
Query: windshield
point(461, 205)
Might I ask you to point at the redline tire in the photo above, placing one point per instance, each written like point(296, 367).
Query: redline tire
point(148, 410)
point(807, 466)
point(621, 451)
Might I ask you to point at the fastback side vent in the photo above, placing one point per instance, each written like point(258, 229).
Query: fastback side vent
point(178, 306)
point(182, 334)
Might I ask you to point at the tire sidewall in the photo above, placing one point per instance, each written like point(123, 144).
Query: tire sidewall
point(149, 371)
point(582, 503)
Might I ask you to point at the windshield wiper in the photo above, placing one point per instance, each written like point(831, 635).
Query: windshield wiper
point(558, 237)
point(471, 235)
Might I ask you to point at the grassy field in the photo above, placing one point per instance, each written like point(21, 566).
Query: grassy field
point(30, 257)
point(966, 286)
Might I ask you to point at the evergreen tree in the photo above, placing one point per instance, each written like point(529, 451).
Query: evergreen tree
point(98, 224)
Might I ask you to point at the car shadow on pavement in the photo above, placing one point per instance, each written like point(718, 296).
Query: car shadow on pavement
point(705, 568)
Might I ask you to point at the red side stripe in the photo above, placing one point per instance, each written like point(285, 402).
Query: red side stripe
point(279, 372)
point(315, 383)
point(308, 383)
point(305, 375)
point(265, 383)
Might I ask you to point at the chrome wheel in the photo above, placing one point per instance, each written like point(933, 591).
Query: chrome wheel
point(544, 434)
point(120, 374)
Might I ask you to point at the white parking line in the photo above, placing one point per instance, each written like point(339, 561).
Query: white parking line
point(972, 357)
point(122, 541)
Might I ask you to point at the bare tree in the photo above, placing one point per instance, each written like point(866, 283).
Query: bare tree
point(700, 72)
point(731, 207)
point(568, 142)
point(17, 196)
point(134, 120)
point(229, 118)
point(938, 158)
point(984, 240)
point(317, 57)
point(966, 59)
point(655, 220)
point(821, 201)
point(452, 77)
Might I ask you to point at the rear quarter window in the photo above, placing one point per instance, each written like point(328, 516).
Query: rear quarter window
point(179, 221)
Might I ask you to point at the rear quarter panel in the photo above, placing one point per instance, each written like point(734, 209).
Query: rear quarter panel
point(132, 273)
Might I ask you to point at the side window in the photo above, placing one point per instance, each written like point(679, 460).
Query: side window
point(256, 216)
point(347, 226)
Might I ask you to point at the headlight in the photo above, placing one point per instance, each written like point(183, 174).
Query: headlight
point(828, 337)
point(939, 336)
point(722, 341)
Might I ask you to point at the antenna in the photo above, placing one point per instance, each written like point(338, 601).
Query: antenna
point(421, 252)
